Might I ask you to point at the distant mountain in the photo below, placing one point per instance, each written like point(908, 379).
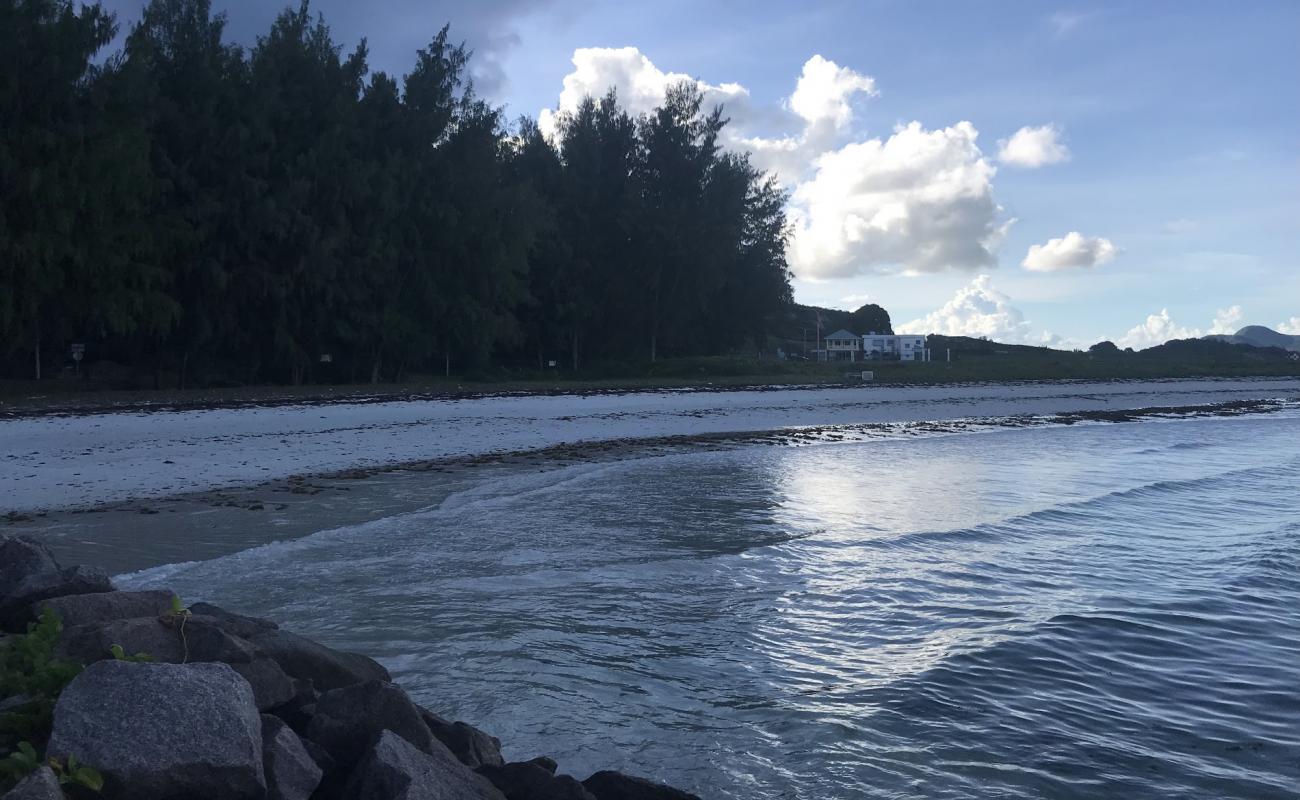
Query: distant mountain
point(1259, 336)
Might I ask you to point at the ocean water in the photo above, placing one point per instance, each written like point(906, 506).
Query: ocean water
point(1083, 611)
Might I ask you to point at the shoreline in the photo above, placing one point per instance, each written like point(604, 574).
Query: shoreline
point(66, 463)
point(120, 536)
point(92, 403)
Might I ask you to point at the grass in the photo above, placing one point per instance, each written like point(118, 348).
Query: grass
point(717, 372)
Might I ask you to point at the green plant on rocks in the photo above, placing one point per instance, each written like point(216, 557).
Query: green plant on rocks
point(175, 618)
point(120, 655)
point(74, 773)
point(31, 678)
point(23, 760)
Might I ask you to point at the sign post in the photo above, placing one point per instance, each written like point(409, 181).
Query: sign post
point(78, 353)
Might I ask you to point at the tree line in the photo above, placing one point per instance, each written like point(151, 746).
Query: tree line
point(282, 213)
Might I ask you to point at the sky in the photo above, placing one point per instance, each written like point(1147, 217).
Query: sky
point(1036, 172)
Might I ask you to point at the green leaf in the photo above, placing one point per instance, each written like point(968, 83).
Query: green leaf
point(88, 777)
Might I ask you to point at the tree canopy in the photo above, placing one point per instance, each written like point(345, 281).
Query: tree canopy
point(282, 213)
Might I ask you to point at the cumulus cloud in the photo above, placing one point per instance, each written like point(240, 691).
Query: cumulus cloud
point(1156, 330)
point(1033, 147)
point(1071, 251)
point(980, 310)
point(822, 94)
point(1291, 326)
point(919, 200)
point(640, 84)
point(1226, 320)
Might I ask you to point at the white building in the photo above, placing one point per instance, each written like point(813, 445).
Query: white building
point(904, 347)
point(841, 346)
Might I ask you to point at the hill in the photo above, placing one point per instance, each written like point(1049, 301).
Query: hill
point(795, 330)
point(1260, 336)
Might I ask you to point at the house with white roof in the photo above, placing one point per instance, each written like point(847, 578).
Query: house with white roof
point(843, 345)
point(904, 347)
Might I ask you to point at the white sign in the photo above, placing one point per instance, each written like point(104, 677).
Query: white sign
point(78, 351)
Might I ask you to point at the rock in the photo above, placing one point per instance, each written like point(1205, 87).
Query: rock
point(318, 754)
point(165, 643)
point(291, 772)
point(208, 641)
point(472, 746)
point(347, 720)
point(22, 557)
point(42, 784)
point(529, 781)
point(545, 762)
point(91, 643)
point(232, 623)
point(326, 668)
point(16, 605)
point(609, 785)
point(395, 770)
point(298, 710)
point(271, 687)
point(158, 731)
point(83, 609)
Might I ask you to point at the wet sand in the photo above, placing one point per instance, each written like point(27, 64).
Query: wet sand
point(140, 533)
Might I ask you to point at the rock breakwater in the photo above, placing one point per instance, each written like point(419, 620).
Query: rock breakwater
point(129, 694)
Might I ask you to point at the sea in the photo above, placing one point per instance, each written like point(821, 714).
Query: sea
point(1070, 611)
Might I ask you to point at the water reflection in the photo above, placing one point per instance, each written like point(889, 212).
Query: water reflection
point(1025, 613)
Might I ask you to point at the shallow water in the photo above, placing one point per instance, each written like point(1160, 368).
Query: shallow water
point(1086, 611)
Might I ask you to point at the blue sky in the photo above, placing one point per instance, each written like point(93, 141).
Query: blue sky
point(1166, 134)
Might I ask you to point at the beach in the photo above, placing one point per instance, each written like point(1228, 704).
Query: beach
point(82, 461)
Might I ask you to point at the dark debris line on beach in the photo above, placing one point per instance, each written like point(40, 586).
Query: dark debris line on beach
point(229, 707)
point(263, 495)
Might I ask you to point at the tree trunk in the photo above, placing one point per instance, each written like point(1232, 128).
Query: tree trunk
point(374, 370)
point(654, 342)
point(185, 363)
point(38, 356)
point(446, 363)
point(575, 350)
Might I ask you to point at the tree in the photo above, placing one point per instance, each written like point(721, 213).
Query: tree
point(46, 73)
point(870, 318)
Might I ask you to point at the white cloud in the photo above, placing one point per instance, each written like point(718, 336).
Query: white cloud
point(919, 201)
point(852, 302)
point(1226, 320)
point(1156, 330)
point(823, 91)
point(1063, 22)
point(1181, 225)
point(1033, 147)
point(1072, 251)
point(1291, 326)
point(641, 85)
point(978, 309)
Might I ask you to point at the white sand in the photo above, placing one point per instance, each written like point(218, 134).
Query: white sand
point(73, 462)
